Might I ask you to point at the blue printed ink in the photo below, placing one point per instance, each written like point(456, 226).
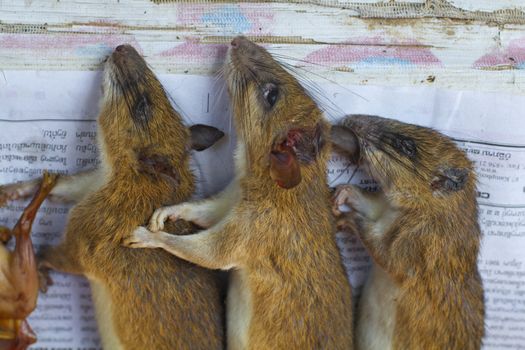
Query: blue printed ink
point(385, 61)
point(229, 16)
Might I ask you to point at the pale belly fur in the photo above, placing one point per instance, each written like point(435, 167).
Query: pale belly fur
point(103, 311)
point(376, 312)
point(238, 311)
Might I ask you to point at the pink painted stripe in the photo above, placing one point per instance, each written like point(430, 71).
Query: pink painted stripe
point(513, 55)
point(375, 50)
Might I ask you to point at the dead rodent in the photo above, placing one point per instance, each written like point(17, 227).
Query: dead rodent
point(421, 229)
point(18, 275)
point(272, 226)
point(144, 299)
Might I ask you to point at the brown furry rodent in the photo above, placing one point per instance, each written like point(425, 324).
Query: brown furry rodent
point(18, 275)
point(272, 226)
point(421, 229)
point(144, 299)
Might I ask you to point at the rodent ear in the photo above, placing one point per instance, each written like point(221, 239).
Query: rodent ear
point(345, 140)
point(284, 168)
point(299, 145)
point(204, 136)
point(450, 179)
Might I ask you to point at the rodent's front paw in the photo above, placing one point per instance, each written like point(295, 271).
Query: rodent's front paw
point(143, 238)
point(156, 223)
point(344, 195)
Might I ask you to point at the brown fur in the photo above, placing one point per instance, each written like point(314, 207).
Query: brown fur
point(157, 300)
point(430, 248)
point(280, 242)
point(286, 241)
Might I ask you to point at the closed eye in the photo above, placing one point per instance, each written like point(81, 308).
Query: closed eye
point(404, 145)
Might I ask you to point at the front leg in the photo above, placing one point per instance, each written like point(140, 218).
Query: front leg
point(371, 218)
point(204, 213)
point(209, 248)
point(72, 188)
point(370, 205)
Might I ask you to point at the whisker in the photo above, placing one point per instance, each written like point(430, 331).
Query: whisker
point(316, 93)
point(353, 173)
point(341, 174)
point(291, 58)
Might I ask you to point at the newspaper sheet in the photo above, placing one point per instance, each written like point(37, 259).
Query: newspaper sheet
point(48, 121)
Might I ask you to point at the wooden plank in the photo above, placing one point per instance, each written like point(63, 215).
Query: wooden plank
point(191, 37)
point(488, 5)
point(165, 13)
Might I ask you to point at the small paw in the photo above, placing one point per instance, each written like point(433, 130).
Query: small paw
point(21, 190)
point(143, 238)
point(344, 195)
point(156, 223)
point(44, 279)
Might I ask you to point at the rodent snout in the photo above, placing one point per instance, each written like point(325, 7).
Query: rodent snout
point(246, 51)
point(125, 52)
point(121, 48)
point(238, 41)
point(126, 49)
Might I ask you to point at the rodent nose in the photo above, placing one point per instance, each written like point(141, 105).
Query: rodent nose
point(235, 43)
point(238, 42)
point(121, 48)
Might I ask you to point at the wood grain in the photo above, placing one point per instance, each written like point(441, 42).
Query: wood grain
point(457, 44)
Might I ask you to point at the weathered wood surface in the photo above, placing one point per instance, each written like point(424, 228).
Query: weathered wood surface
point(459, 44)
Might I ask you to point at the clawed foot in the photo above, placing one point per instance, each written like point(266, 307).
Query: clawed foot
point(183, 211)
point(44, 279)
point(143, 238)
point(345, 221)
point(344, 195)
point(173, 213)
point(21, 190)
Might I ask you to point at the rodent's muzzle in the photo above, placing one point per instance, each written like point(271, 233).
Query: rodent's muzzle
point(125, 69)
point(246, 53)
point(125, 56)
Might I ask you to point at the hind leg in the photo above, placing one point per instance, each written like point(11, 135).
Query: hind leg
point(59, 258)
